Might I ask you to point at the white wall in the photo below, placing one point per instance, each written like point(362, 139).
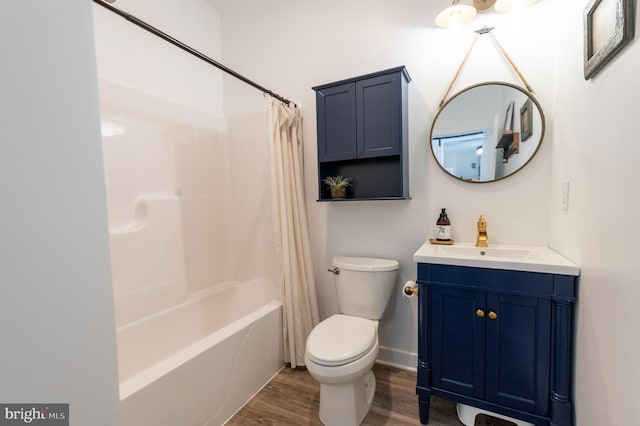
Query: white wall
point(133, 57)
point(290, 46)
point(56, 310)
point(597, 152)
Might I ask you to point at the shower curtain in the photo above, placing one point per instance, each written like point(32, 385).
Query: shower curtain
point(291, 231)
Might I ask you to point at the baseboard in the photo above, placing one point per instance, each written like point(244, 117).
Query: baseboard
point(397, 358)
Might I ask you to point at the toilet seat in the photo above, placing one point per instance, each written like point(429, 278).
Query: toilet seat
point(341, 339)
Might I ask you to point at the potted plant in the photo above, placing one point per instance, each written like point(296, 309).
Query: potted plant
point(338, 185)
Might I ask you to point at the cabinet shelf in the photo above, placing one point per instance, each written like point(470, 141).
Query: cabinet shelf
point(362, 133)
point(341, 200)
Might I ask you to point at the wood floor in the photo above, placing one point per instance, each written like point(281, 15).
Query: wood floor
point(292, 398)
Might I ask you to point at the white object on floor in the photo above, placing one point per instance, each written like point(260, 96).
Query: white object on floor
point(467, 415)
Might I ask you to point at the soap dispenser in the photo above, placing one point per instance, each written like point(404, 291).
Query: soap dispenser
point(444, 227)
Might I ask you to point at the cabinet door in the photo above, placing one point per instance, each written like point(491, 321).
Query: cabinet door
point(379, 116)
point(457, 340)
point(518, 347)
point(336, 114)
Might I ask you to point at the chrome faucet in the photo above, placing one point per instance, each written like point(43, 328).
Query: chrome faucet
point(482, 239)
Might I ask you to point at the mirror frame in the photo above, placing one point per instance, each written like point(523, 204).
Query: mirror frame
point(486, 83)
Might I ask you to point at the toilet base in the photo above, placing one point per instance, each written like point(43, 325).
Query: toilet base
point(467, 415)
point(347, 404)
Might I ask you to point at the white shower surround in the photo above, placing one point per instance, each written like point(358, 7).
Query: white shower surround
point(197, 307)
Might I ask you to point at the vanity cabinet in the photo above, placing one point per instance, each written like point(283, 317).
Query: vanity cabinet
point(495, 339)
point(362, 132)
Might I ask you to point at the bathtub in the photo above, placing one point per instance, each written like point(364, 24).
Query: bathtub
point(199, 362)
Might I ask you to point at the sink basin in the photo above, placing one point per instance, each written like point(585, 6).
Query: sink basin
point(502, 252)
point(517, 258)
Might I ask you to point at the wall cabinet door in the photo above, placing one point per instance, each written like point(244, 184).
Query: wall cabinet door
point(336, 122)
point(379, 113)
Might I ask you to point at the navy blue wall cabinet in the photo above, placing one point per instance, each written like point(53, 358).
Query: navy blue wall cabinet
point(363, 133)
point(497, 340)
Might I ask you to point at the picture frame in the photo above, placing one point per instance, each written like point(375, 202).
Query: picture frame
point(526, 120)
point(608, 26)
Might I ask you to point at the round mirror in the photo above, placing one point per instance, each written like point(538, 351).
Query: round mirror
point(487, 132)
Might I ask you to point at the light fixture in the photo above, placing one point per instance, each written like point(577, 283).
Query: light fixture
point(505, 6)
point(479, 150)
point(483, 6)
point(456, 15)
point(459, 14)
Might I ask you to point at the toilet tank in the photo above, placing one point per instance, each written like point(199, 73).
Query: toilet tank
point(364, 285)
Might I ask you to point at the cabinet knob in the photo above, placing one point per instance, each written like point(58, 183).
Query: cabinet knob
point(480, 313)
point(492, 315)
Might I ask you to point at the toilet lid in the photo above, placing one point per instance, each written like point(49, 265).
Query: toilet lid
point(340, 339)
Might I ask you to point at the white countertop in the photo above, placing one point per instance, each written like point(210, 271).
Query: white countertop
point(497, 256)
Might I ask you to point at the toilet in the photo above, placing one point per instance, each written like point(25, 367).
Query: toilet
point(341, 350)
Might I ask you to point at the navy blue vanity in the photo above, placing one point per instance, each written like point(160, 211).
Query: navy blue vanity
point(494, 338)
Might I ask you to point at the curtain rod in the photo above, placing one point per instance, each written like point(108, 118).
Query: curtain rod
point(191, 50)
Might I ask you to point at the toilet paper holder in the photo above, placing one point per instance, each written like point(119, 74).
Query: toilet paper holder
point(410, 291)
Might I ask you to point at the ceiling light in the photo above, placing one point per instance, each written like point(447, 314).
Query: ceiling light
point(456, 15)
point(483, 6)
point(505, 6)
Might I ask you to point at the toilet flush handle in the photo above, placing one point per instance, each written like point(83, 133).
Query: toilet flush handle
point(335, 270)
